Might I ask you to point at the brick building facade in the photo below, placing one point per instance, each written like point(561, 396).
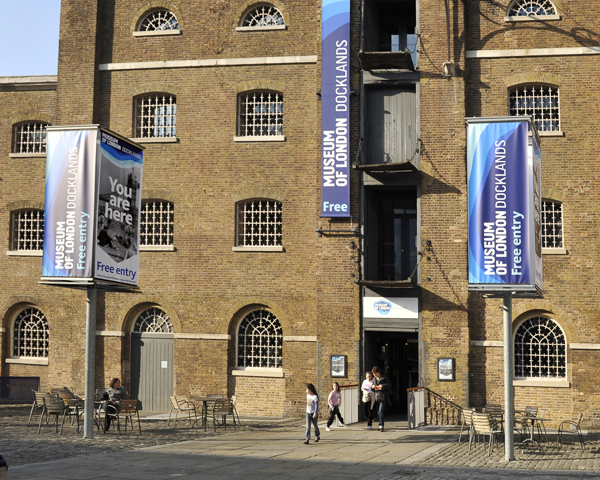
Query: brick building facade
point(418, 68)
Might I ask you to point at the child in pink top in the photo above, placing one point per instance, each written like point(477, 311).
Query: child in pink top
point(334, 401)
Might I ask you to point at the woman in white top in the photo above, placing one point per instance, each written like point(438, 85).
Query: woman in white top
point(312, 412)
point(368, 400)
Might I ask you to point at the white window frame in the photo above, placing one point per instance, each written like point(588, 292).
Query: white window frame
point(16, 219)
point(30, 360)
point(142, 122)
point(558, 381)
point(169, 225)
point(158, 32)
point(529, 18)
point(258, 27)
point(553, 250)
point(242, 237)
point(260, 371)
point(153, 313)
point(520, 110)
point(251, 123)
point(34, 127)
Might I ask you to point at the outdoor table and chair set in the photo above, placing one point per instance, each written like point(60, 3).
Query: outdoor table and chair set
point(491, 422)
point(61, 403)
point(212, 405)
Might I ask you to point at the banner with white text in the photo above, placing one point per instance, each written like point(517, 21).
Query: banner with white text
point(504, 185)
point(119, 204)
point(335, 107)
point(69, 210)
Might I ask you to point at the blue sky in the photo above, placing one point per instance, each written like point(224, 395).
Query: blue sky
point(29, 41)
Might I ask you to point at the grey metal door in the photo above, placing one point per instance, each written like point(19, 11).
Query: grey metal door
point(391, 125)
point(152, 356)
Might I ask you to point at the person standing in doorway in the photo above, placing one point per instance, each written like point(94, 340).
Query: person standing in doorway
point(381, 389)
point(312, 412)
point(334, 401)
point(368, 399)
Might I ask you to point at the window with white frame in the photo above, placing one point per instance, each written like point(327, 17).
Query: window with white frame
point(260, 114)
point(30, 334)
point(552, 224)
point(259, 223)
point(260, 341)
point(159, 20)
point(29, 137)
point(27, 230)
point(156, 223)
point(540, 349)
point(156, 116)
point(264, 15)
point(538, 100)
point(153, 320)
point(529, 8)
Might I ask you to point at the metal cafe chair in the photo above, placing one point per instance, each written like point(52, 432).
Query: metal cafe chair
point(467, 421)
point(221, 408)
point(569, 426)
point(484, 425)
point(53, 406)
point(38, 403)
point(127, 410)
point(179, 404)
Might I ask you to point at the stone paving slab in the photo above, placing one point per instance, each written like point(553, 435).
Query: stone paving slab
point(266, 449)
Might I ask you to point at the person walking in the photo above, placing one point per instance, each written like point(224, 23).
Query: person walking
point(334, 401)
point(368, 399)
point(382, 395)
point(312, 412)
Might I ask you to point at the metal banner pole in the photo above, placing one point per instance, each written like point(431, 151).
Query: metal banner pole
point(90, 356)
point(509, 404)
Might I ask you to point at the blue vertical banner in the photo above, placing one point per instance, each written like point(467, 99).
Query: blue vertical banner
point(92, 207)
point(69, 209)
point(335, 109)
point(504, 185)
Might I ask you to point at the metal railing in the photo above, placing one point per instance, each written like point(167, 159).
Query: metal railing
point(437, 409)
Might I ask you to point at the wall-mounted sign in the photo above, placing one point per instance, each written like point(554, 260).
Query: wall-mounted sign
point(339, 366)
point(504, 184)
point(92, 206)
point(446, 370)
point(335, 109)
point(390, 307)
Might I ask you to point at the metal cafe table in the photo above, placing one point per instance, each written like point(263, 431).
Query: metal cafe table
point(533, 420)
point(206, 403)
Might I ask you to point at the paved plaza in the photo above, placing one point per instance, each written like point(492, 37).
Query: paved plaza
point(270, 448)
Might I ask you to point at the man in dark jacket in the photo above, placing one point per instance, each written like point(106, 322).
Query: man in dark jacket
point(382, 388)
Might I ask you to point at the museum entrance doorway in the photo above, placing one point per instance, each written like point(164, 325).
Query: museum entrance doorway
point(397, 355)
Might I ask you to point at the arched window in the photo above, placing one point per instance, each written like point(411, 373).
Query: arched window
point(156, 223)
point(29, 137)
point(27, 230)
point(539, 100)
point(153, 320)
point(540, 349)
point(529, 8)
point(260, 341)
point(259, 223)
point(158, 20)
point(552, 224)
point(264, 15)
point(260, 114)
point(30, 334)
point(156, 115)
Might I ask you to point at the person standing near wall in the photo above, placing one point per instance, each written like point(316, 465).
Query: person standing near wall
point(381, 388)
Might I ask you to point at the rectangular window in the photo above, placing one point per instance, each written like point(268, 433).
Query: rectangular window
point(27, 232)
point(156, 223)
point(156, 116)
point(260, 114)
point(552, 228)
point(259, 223)
point(539, 101)
point(30, 138)
point(391, 230)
